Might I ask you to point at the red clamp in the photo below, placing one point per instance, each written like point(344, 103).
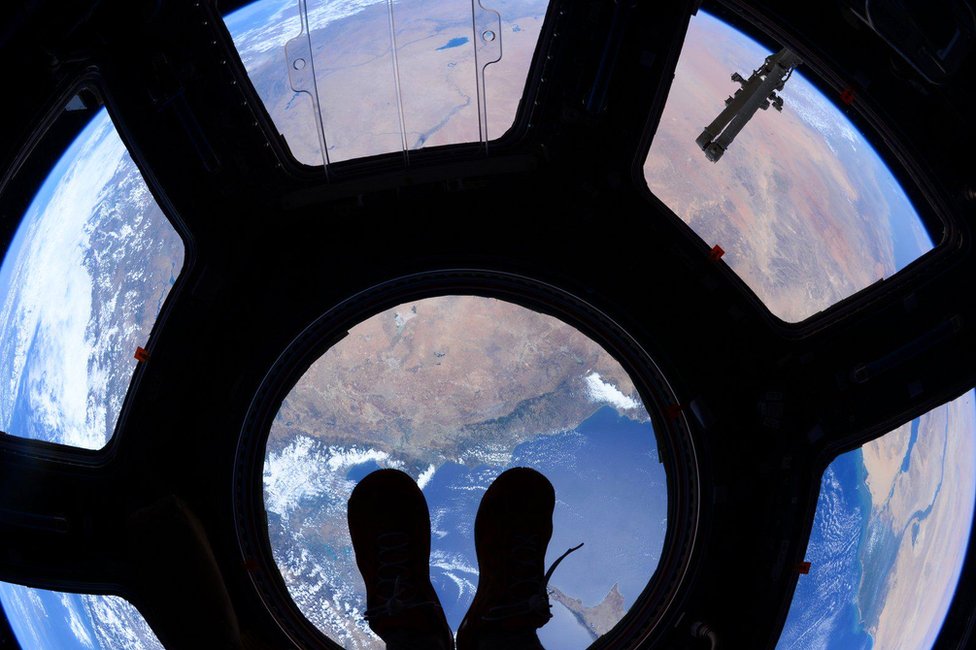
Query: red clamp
point(803, 568)
point(847, 96)
point(716, 253)
point(141, 354)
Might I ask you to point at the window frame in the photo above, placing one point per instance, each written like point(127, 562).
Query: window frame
point(507, 142)
point(24, 192)
point(915, 182)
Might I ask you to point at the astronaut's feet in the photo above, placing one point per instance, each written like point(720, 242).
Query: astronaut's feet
point(390, 528)
point(512, 532)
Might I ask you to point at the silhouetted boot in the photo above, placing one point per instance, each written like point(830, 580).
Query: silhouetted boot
point(390, 528)
point(511, 532)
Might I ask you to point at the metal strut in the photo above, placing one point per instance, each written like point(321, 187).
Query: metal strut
point(756, 92)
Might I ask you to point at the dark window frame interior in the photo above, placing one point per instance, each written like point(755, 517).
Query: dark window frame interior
point(41, 153)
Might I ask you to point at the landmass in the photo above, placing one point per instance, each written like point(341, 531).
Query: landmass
point(357, 89)
point(419, 381)
point(432, 383)
point(883, 458)
point(801, 217)
point(919, 527)
point(599, 619)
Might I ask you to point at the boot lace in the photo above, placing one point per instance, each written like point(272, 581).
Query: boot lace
point(394, 584)
point(525, 551)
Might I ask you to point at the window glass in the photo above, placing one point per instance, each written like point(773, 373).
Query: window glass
point(805, 210)
point(81, 285)
point(454, 390)
point(349, 79)
point(49, 620)
point(889, 538)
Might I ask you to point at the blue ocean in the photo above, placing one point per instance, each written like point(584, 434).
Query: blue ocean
point(824, 614)
point(611, 495)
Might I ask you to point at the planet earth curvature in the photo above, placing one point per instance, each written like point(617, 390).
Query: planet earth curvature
point(805, 208)
point(808, 214)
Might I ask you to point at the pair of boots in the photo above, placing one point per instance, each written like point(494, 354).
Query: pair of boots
point(390, 527)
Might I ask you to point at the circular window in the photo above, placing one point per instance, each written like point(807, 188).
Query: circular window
point(453, 390)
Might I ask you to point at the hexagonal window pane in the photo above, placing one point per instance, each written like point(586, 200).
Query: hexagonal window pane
point(804, 208)
point(889, 538)
point(344, 80)
point(82, 283)
point(453, 390)
point(50, 620)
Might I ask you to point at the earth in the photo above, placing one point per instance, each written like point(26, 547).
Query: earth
point(889, 538)
point(808, 214)
point(80, 288)
point(805, 209)
point(453, 390)
point(353, 64)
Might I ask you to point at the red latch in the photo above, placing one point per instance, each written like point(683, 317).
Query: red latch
point(803, 568)
point(716, 253)
point(141, 354)
point(847, 95)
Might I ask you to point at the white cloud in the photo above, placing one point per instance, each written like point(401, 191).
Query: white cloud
point(285, 24)
point(35, 599)
point(47, 313)
point(437, 522)
point(452, 562)
point(298, 472)
point(78, 627)
point(602, 391)
point(26, 613)
point(307, 468)
point(345, 459)
point(425, 476)
point(455, 567)
point(119, 626)
point(463, 586)
point(813, 108)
